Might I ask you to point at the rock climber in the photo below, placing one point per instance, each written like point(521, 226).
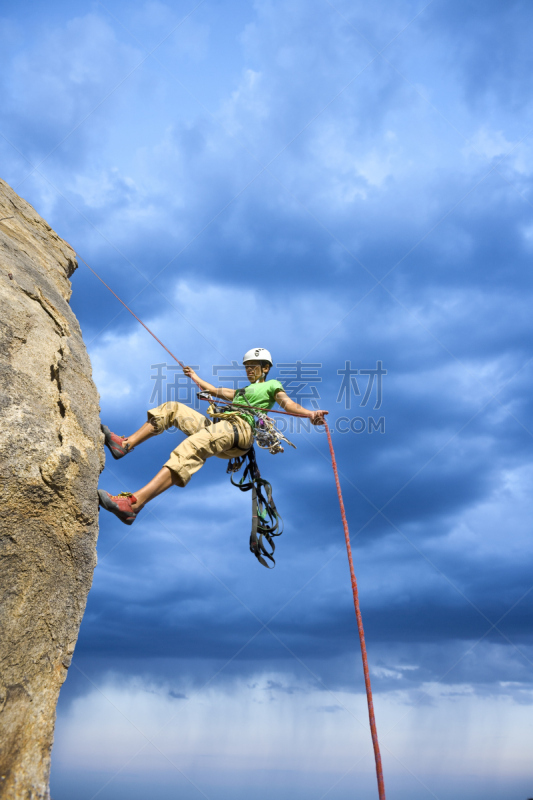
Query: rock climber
point(225, 438)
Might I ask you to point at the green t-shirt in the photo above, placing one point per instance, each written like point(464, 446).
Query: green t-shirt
point(262, 395)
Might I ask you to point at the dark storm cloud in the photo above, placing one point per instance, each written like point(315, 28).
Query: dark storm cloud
point(491, 48)
point(378, 178)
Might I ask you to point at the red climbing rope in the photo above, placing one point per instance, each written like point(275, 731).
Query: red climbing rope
point(371, 716)
point(131, 312)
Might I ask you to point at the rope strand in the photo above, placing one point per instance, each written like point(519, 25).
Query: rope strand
point(131, 312)
point(368, 687)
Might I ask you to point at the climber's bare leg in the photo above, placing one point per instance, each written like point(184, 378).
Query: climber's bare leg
point(159, 484)
point(145, 432)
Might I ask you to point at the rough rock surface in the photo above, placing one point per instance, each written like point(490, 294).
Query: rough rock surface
point(50, 455)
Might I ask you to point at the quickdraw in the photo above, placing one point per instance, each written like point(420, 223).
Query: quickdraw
point(267, 435)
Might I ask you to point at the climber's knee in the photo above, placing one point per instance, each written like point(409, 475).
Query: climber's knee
point(174, 414)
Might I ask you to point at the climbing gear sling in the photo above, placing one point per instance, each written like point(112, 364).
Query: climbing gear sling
point(266, 522)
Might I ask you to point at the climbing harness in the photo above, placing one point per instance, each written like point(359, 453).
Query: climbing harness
point(355, 591)
point(266, 435)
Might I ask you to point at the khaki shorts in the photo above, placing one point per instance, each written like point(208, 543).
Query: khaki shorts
point(204, 438)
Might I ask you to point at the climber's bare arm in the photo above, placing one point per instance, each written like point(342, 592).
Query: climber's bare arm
point(216, 391)
point(316, 417)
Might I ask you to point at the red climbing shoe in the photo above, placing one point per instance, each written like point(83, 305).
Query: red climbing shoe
point(115, 443)
point(120, 505)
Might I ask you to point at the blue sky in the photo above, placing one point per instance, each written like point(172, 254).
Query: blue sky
point(339, 182)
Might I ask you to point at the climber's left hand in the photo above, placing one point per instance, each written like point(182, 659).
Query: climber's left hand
point(317, 417)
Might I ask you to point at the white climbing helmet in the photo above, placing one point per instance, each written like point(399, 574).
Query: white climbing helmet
point(257, 354)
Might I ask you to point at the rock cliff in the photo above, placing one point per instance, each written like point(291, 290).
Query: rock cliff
point(50, 455)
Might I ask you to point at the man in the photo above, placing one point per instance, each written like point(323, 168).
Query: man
point(226, 438)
